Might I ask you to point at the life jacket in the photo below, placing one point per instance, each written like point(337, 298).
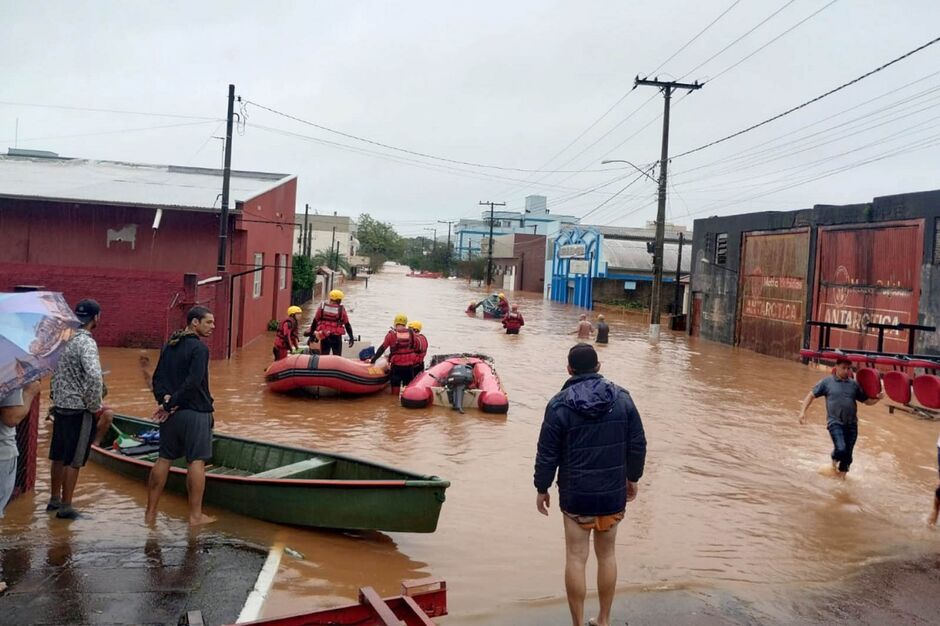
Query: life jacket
point(503, 306)
point(331, 319)
point(422, 345)
point(285, 333)
point(403, 347)
point(513, 321)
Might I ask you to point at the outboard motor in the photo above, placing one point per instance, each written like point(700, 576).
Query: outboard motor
point(457, 381)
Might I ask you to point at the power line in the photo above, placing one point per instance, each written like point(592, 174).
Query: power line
point(758, 25)
point(762, 147)
point(619, 101)
point(811, 101)
point(413, 152)
point(111, 132)
point(787, 31)
point(117, 111)
point(405, 160)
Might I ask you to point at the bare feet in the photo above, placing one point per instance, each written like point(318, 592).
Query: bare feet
point(201, 520)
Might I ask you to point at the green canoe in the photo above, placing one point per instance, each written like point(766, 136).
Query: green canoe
point(290, 485)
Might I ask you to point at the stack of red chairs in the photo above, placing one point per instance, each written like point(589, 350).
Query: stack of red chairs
point(899, 386)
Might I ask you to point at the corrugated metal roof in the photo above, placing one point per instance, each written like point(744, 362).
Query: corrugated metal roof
point(114, 182)
point(631, 256)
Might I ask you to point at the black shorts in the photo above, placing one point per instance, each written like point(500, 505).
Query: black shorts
point(402, 374)
point(72, 433)
point(187, 434)
point(333, 343)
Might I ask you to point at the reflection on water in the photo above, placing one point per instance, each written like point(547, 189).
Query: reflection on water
point(732, 497)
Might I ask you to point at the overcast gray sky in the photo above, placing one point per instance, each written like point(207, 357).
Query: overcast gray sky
point(506, 84)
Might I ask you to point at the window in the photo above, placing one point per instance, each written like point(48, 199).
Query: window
point(282, 269)
point(259, 263)
point(721, 248)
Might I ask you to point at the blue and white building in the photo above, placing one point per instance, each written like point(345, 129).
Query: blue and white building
point(587, 264)
point(471, 235)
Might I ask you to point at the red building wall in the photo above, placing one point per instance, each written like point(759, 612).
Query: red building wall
point(266, 226)
point(137, 308)
point(76, 235)
point(112, 254)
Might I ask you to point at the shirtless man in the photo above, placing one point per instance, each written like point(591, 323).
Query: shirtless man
point(585, 329)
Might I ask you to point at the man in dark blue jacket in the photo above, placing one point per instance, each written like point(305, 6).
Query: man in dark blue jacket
point(592, 434)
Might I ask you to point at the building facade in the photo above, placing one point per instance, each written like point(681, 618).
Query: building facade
point(759, 278)
point(327, 232)
point(471, 236)
point(141, 238)
point(519, 262)
point(602, 264)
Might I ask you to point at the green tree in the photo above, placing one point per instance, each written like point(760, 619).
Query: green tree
point(302, 274)
point(323, 257)
point(378, 241)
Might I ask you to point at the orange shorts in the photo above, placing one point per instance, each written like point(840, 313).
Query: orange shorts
point(602, 523)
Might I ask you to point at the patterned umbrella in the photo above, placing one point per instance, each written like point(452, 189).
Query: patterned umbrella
point(34, 326)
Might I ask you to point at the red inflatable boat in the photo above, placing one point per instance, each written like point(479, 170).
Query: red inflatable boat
point(452, 378)
point(326, 374)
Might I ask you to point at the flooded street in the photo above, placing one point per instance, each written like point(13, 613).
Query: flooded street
point(733, 497)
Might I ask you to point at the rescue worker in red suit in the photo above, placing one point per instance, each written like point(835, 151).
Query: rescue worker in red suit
point(288, 334)
point(403, 357)
point(503, 305)
point(422, 340)
point(514, 321)
point(329, 323)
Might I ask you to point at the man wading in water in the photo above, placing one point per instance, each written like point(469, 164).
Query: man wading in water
point(181, 388)
point(842, 393)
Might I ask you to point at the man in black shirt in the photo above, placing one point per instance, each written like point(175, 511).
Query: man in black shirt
point(181, 388)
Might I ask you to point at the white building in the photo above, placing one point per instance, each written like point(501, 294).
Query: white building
point(326, 232)
point(471, 235)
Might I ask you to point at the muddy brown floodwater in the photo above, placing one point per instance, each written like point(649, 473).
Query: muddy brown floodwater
point(733, 498)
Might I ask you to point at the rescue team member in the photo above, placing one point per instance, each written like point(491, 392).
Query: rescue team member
point(329, 323)
point(503, 305)
point(403, 352)
point(514, 321)
point(422, 341)
point(288, 334)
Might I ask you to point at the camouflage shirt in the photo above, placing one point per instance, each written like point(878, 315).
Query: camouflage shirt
point(77, 382)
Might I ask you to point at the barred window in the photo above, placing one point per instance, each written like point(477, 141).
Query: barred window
point(721, 248)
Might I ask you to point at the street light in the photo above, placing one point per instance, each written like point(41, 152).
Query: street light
point(641, 171)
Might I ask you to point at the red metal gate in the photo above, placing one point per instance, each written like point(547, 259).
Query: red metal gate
point(869, 273)
point(772, 301)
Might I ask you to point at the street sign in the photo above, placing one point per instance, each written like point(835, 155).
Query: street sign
point(571, 251)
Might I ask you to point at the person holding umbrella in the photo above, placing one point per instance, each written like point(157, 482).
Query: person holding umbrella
point(35, 326)
point(14, 407)
point(77, 389)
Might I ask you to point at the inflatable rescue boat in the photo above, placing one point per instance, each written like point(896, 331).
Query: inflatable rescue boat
point(457, 381)
point(326, 374)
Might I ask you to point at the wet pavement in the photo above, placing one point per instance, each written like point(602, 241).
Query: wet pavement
point(114, 580)
point(735, 504)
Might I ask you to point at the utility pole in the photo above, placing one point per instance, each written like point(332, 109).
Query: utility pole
point(449, 223)
point(676, 302)
point(332, 245)
point(489, 261)
point(226, 176)
point(303, 248)
point(667, 88)
point(433, 241)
